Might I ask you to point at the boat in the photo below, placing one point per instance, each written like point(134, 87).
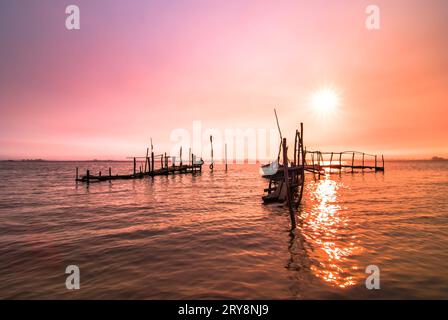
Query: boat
point(270, 169)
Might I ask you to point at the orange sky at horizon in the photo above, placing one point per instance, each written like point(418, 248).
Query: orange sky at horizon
point(141, 69)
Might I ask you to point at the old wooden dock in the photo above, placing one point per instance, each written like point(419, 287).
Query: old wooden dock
point(149, 166)
point(287, 176)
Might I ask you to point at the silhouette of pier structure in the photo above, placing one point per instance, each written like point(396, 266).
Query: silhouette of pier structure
point(347, 161)
point(149, 166)
point(287, 176)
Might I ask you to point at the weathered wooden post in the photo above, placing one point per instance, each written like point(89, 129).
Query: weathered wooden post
point(363, 161)
point(312, 163)
point(331, 160)
point(340, 162)
point(319, 156)
point(353, 161)
point(382, 157)
point(211, 152)
point(135, 165)
point(146, 158)
point(110, 172)
point(152, 162)
point(225, 153)
point(295, 149)
point(190, 158)
point(299, 150)
point(375, 164)
point(180, 155)
point(288, 186)
point(99, 174)
point(303, 164)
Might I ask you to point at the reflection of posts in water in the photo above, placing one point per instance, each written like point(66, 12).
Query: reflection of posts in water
point(323, 224)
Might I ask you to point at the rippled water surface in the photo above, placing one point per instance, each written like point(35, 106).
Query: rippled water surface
point(209, 235)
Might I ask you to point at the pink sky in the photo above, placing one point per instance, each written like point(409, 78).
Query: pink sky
point(140, 69)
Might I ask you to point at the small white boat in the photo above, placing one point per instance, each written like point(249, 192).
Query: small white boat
point(269, 169)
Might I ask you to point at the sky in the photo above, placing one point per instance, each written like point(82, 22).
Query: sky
point(141, 69)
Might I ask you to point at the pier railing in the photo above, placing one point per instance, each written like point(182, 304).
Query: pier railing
point(337, 162)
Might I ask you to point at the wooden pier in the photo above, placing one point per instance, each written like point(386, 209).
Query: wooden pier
point(149, 166)
point(287, 177)
point(286, 180)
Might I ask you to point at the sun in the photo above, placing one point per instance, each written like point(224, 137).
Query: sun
point(325, 101)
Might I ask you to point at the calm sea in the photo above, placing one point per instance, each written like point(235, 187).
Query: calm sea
point(210, 236)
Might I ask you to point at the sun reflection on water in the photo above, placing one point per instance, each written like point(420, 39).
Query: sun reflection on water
point(327, 228)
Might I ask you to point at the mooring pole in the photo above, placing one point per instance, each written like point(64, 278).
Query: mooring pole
point(152, 162)
point(312, 163)
point(135, 165)
point(301, 136)
point(375, 163)
point(211, 146)
point(303, 164)
point(319, 156)
point(110, 172)
point(180, 154)
point(190, 158)
point(363, 162)
point(340, 162)
point(146, 158)
point(353, 161)
point(382, 157)
point(288, 187)
point(225, 154)
point(295, 149)
point(331, 160)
